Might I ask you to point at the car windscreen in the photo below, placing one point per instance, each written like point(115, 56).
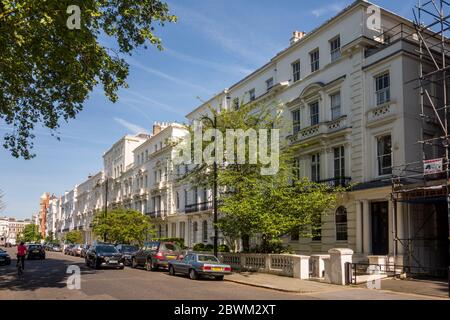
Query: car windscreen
point(129, 248)
point(31, 247)
point(106, 249)
point(170, 247)
point(207, 258)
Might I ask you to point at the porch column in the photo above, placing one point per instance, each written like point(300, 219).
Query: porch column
point(359, 240)
point(367, 243)
point(391, 226)
point(401, 208)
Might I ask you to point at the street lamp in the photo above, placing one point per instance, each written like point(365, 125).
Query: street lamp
point(214, 125)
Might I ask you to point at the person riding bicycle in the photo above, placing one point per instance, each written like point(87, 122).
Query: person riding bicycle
point(21, 252)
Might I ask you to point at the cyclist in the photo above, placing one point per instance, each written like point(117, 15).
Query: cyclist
point(21, 252)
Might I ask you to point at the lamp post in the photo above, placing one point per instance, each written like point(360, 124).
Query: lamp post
point(216, 232)
point(106, 205)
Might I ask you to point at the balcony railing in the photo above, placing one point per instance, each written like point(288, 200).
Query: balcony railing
point(337, 182)
point(156, 214)
point(321, 129)
point(197, 207)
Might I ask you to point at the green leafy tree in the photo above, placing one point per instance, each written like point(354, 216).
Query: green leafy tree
point(48, 70)
point(75, 236)
point(123, 226)
point(251, 203)
point(30, 234)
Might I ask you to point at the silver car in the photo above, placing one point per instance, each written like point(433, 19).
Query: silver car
point(199, 264)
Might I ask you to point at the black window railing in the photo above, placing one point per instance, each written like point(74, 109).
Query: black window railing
point(196, 207)
point(156, 213)
point(337, 182)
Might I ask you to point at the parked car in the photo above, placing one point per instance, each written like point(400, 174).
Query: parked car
point(35, 251)
point(127, 252)
point(68, 249)
point(84, 249)
point(155, 255)
point(104, 256)
point(5, 259)
point(199, 264)
point(56, 248)
point(76, 250)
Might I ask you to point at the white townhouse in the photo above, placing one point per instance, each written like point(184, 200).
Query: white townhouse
point(349, 94)
point(52, 212)
point(347, 91)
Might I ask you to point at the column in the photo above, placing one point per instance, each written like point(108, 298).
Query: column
point(359, 240)
point(367, 243)
point(391, 226)
point(401, 210)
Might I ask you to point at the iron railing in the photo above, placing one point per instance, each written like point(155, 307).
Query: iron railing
point(197, 207)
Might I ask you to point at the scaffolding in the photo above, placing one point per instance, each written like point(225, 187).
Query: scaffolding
point(411, 182)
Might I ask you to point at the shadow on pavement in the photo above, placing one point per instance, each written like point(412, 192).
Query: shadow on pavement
point(48, 273)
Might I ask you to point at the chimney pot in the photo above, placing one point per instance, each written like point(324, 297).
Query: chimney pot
point(296, 36)
point(156, 128)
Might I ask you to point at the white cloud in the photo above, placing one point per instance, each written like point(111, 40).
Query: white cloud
point(153, 103)
point(134, 128)
point(166, 76)
point(230, 69)
point(328, 9)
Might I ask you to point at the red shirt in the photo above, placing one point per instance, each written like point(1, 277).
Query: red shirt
point(21, 250)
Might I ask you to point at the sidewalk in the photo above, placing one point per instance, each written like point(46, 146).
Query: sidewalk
point(320, 290)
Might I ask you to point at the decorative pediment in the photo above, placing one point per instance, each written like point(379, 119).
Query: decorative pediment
point(311, 89)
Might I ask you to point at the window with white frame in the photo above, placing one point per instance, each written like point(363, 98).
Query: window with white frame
point(339, 162)
point(315, 60)
point(296, 71)
point(335, 99)
point(341, 224)
point(252, 94)
point(195, 195)
point(382, 88)
point(185, 197)
point(269, 84)
point(296, 121)
point(315, 167)
point(182, 229)
point(177, 200)
point(173, 230)
point(384, 155)
point(335, 48)
point(296, 168)
point(314, 113)
point(194, 231)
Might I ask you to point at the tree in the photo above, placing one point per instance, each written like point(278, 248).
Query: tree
point(251, 203)
point(48, 66)
point(30, 233)
point(75, 236)
point(123, 226)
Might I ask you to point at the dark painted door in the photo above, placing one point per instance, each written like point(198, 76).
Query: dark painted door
point(380, 228)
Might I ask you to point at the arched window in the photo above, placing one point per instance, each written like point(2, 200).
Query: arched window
point(341, 224)
point(205, 231)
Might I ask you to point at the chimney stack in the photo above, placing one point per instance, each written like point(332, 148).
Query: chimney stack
point(156, 128)
point(297, 35)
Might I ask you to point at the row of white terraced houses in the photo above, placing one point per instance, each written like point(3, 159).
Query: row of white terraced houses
point(344, 87)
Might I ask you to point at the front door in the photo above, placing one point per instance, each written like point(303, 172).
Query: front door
point(380, 228)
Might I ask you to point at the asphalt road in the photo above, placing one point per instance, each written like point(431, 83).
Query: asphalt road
point(47, 279)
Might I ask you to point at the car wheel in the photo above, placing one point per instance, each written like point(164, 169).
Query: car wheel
point(193, 275)
point(134, 264)
point(220, 278)
point(171, 270)
point(149, 265)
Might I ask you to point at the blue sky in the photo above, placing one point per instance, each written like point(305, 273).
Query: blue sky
point(214, 44)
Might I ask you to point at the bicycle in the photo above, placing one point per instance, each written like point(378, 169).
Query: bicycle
point(19, 266)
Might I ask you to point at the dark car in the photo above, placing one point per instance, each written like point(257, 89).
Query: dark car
point(104, 256)
point(68, 249)
point(35, 251)
point(198, 264)
point(84, 249)
point(127, 252)
point(5, 259)
point(155, 254)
